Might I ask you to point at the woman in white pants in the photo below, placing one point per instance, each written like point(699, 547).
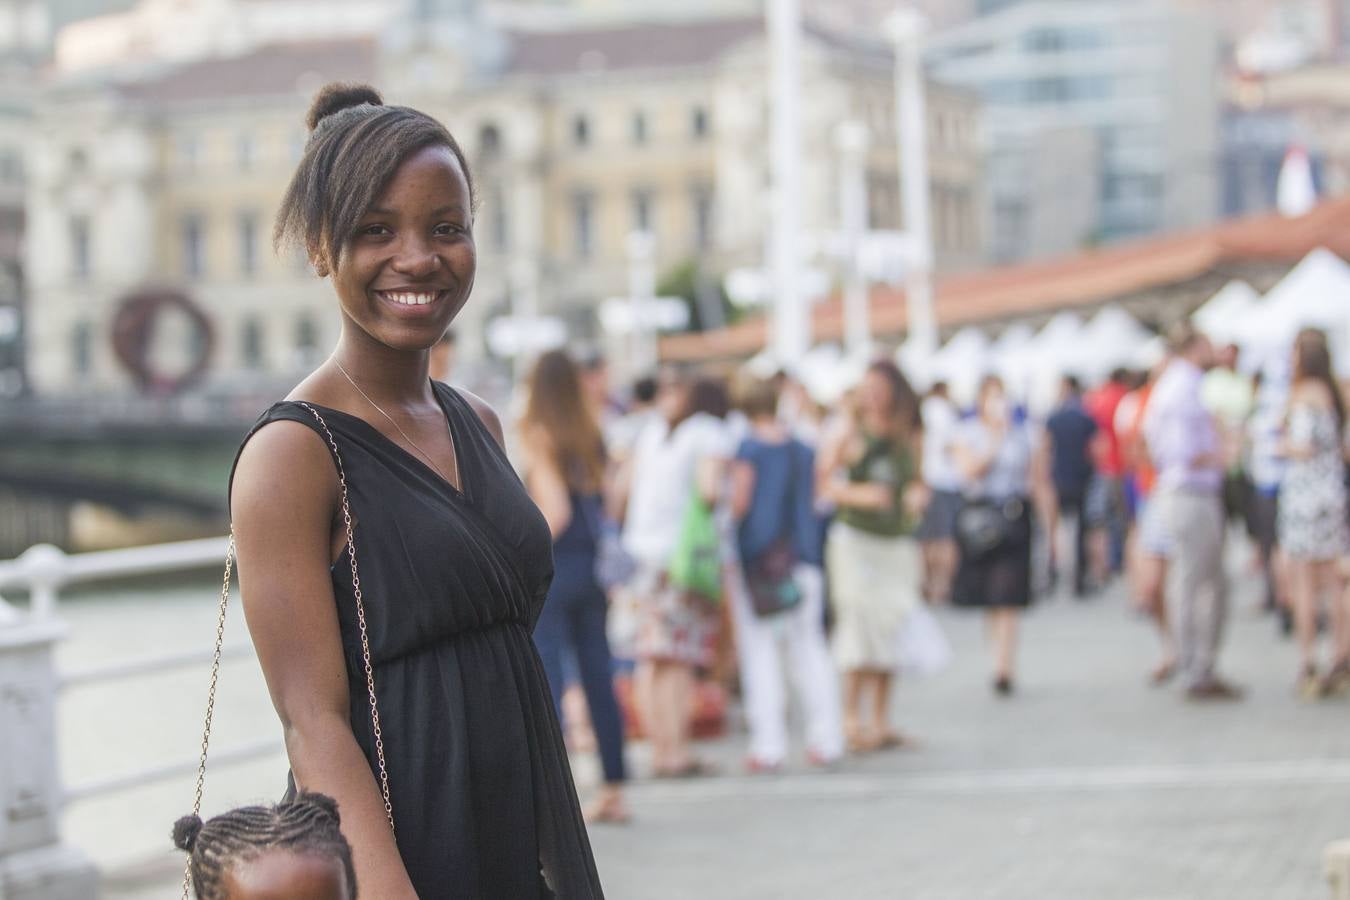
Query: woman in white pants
point(780, 591)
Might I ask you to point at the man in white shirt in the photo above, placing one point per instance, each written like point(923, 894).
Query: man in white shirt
point(1184, 442)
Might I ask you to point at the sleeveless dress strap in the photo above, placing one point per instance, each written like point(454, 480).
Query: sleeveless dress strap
point(282, 411)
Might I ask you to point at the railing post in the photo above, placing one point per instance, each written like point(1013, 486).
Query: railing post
point(34, 863)
point(46, 567)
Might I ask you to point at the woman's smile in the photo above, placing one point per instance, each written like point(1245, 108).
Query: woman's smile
point(412, 301)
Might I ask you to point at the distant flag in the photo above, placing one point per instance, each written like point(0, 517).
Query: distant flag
point(1295, 193)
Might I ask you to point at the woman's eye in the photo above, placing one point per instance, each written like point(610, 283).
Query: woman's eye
point(445, 228)
point(375, 230)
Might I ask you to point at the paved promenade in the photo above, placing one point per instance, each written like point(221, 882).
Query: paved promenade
point(1088, 785)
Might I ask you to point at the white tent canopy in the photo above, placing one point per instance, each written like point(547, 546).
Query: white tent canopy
point(1221, 315)
point(961, 362)
point(1112, 339)
point(1315, 293)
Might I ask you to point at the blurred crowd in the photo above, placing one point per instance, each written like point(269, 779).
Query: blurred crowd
point(721, 537)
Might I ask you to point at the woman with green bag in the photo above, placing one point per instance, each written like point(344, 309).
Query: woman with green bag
point(673, 489)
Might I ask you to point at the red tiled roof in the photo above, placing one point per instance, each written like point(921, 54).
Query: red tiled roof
point(274, 70)
point(1088, 279)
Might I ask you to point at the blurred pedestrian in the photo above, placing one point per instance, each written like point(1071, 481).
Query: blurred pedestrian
point(1103, 404)
point(1229, 394)
point(937, 531)
point(1185, 443)
point(1006, 478)
point(869, 471)
point(1149, 543)
point(565, 475)
point(444, 355)
point(1266, 465)
point(780, 592)
point(682, 452)
point(1071, 432)
point(1313, 530)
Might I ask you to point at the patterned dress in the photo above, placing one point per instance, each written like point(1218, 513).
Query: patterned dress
point(1312, 515)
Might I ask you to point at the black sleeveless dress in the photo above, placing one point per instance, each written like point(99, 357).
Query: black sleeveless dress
point(484, 805)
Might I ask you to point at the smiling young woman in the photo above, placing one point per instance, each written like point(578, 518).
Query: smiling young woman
point(434, 591)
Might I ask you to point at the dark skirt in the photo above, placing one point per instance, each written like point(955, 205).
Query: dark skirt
point(1001, 578)
point(939, 519)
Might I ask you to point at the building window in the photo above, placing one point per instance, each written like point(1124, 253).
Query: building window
point(639, 128)
point(79, 248)
point(82, 348)
point(583, 223)
point(248, 244)
point(306, 337)
point(186, 152)
point(194, 252)
point(581, 131)
point(698, 122)
point(702, 200)
point(642, 210)
point(489, 141)
point(500, 220)
point(251, 342)
point(245, 151)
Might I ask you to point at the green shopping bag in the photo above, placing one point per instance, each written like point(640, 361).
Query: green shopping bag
point(696, 565)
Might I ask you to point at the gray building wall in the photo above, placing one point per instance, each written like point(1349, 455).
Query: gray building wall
point(1141, 76)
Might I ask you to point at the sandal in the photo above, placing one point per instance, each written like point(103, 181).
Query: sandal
point(607, 812)
point(695, 768)
point(894, 740)
point(1163, 673)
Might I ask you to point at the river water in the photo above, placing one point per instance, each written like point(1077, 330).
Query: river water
point(126, 725)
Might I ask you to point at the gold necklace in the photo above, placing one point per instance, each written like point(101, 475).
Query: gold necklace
point(392, 421)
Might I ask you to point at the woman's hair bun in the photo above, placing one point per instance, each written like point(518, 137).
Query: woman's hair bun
point(185, 832)
point(338, 96)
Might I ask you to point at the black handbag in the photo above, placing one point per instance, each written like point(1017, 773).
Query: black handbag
point(984, 527)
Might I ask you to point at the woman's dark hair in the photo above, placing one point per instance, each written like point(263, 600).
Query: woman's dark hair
point(1312, 361)
point(709, 395)
point(558, 408)
point(307, 824)
point(355, 146)
point(904, 401)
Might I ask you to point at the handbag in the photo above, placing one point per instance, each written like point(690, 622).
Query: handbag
point(769, 576)
point(614, 565)
point(365, 652)
point(984, 527)
point(696, 564)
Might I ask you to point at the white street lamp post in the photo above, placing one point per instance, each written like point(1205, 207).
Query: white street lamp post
point(905, 27)
point(851, 139)
point(791, 317)
point(641, 251)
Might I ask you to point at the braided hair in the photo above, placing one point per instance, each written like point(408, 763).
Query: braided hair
point(307, 824)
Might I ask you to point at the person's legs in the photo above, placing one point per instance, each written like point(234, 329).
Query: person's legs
point(1003, 631)
point(853, 694)
point(812, 669)
point(679, 699)
point(1081, 535)
point(1303, 595)
point(761, 680)
point(881, 706)
point(1197, 522)
point(648, 688)
point(597, 679)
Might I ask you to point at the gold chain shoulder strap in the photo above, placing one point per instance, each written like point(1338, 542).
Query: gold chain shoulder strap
point(365, 650)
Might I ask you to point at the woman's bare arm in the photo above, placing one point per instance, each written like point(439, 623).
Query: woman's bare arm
point(742, 488)
point(283, 502)
point(850, 494)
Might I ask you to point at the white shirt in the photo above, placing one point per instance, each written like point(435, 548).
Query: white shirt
point(939, 429)
point(665, 465)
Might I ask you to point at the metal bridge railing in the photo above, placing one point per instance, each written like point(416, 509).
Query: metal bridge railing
point(30, 687)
